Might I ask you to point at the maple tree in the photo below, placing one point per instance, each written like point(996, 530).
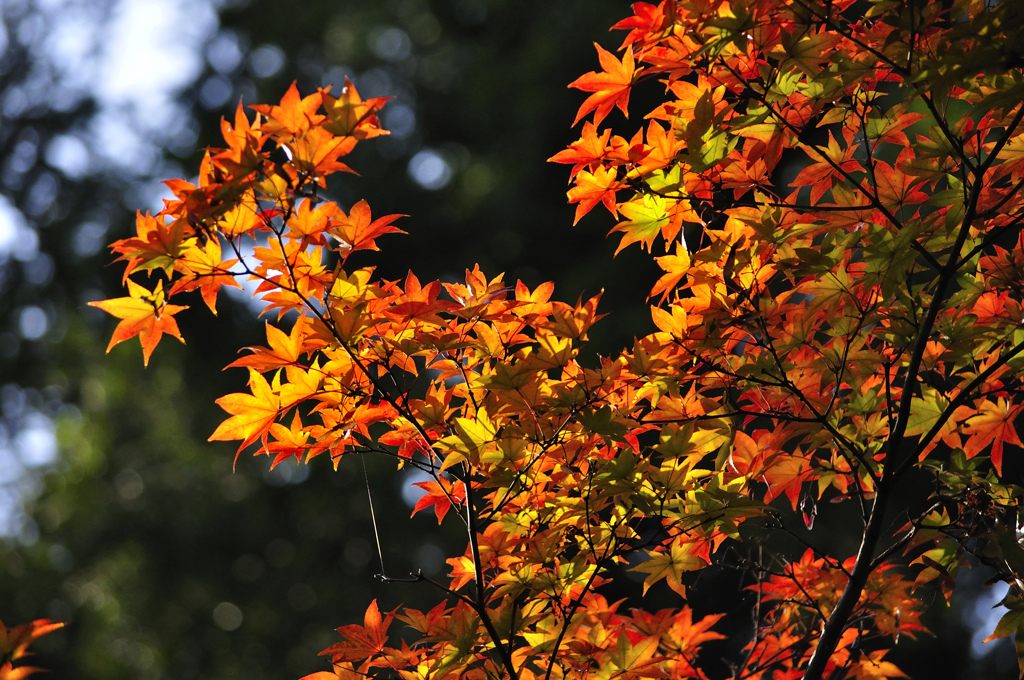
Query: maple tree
point(836, 186)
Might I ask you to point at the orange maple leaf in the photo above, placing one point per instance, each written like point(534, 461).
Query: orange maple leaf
point(242, 155)
point(361, 642)
point(610, 87)
point(574, 322)
point(647, 22)
point(157, 246)
point(288, 442)
point(284, 348)
point(294, 115)
point(420, 302)
point(588, 150)
point(357, 231)
point(316, 152)
point(349, 115)
point(14, 644)
point(208, 271)
point(682, 556)
point(993, 424)
point(244, 216)
point(308, 222)
point(440, 496)
point(144, 314)
point(675, 267)
point(251, 414)
point(829, 165)
point(593, 188)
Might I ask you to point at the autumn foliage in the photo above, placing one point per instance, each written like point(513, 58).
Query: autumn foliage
point(835, 188)
point(14, 644)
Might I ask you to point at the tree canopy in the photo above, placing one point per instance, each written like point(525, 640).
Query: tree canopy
point(808, 437)
point(838, 324)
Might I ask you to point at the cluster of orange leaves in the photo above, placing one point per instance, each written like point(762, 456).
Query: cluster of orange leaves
point(809, 345)
point(14, 644)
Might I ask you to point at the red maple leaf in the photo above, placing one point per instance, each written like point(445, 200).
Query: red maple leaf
point(361, 642)
point(440, 496)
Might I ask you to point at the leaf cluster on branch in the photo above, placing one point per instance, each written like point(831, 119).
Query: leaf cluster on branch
point(839, 322)
point(14, 644)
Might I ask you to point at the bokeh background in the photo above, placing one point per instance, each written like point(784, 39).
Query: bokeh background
point(116, 515)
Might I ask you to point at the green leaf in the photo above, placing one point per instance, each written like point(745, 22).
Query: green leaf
point(603, 423)
point(926, 411)
point(1011, 622)
point(645, 216)
point(669, 565)
point(469, 440)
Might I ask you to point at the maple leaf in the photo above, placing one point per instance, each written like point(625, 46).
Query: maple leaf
point(356, 231)
point(194, 203)
point(534, 304)
point(647, 217)
point(288, 442)
point(242, 155)
point(462, 571)
point(284, 349)
point(316, 151)
point(636, 659)
point(431, 623)
point(822, 171)
point(673, 322)
point(993, 423)
point(588, 150)
point(145, 314)
point(670, 565)
point(241, 218)
point(440, 495)
point(294, 115)
point(309, 222)
point(647, 23)
point(361, 642)
point(574, 322)
point(593, 188)
point(661, 150)
point(14, 644)
point(675, 268)
point(471, 437)
point(420, 302)
point(896, 189)
point(610, 87)
point(251, 414)
point(808, 51)
point(889, 126)
point(158, 245)
point(349, 115)
point(208, 273)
